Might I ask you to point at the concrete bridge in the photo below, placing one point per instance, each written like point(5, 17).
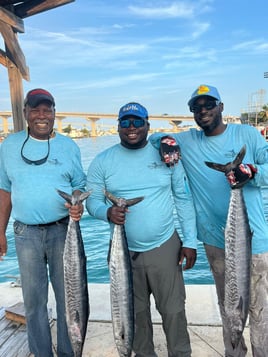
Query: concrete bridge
point(92, 118)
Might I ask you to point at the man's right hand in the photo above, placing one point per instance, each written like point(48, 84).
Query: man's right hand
point(117, 215)
point(169, 151)
point(3, 246)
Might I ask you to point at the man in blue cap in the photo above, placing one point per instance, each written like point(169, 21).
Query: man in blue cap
point(132, 169)
point(219, 142)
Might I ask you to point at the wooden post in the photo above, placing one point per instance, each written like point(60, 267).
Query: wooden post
point(16, 94)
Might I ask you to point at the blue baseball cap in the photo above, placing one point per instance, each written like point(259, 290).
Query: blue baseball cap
point(204, 90)
point(133, 109)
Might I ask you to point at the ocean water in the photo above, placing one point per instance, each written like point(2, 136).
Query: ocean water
point(96, 233)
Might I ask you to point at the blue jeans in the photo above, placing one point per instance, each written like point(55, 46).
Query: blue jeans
point(39, 250)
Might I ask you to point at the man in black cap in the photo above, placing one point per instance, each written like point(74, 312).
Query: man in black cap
point(33, 164)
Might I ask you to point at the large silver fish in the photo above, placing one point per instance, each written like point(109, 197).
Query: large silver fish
point(75, 279)
point(121, 285)
point(238, 237)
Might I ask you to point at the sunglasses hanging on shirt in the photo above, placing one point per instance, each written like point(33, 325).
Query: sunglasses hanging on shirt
point(34, 162)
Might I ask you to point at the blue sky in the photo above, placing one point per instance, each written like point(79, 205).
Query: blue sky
point(96, 55)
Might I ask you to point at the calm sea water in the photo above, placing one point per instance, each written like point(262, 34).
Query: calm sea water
point(96, 233)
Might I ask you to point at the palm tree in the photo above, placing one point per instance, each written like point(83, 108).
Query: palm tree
point(263, 114)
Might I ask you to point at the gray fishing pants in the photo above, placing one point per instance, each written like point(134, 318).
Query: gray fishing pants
point(258, 311)
point(157, 272)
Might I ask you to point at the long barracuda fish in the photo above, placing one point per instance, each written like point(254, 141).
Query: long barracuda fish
point(75, 279)
point(238, 237)
point(121, 285)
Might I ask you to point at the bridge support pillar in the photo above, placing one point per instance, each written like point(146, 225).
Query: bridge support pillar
point(59, 123)
point(5, 123)
point(93, 126)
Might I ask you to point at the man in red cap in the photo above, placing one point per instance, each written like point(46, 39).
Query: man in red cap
point(33, 164)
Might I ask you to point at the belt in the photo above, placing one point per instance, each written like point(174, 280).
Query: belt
point(44, 225)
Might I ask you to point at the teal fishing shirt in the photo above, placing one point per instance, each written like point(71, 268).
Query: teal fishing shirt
point(133, 173)
point(210, 188)
point(33, 187)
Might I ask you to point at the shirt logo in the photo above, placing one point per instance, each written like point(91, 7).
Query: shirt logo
point(155, 165)
point(130, 107)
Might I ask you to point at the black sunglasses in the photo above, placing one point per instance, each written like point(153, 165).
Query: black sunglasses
point(197, 108)
point(137, 123)
point(34, 162)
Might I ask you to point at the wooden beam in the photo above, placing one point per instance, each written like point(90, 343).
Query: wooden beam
point(3, 58)
point(12, 20)
point(34, 7)
point(16, 94)
point(13, 50)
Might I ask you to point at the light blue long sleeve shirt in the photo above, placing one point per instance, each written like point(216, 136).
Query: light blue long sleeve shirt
point(33, 187)
point(210, 188)
point(133, 173)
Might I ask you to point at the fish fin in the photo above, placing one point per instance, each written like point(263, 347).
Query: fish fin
point(111, 198)
point(65, 195)
point(109, 252)
point(240, 156)
point(230, 165)
point(218, 167)
point(133, 201)
point(77, 317)
point(240, 304)
point(84, 195)
point(74, 199)
point(122, 201)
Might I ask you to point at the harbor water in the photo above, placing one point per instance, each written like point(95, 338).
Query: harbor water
point(96, 233)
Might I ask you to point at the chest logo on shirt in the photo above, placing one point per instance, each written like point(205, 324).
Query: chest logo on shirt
point(231, 154)
point(155, 165)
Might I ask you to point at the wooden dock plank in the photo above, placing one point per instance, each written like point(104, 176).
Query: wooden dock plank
point(13, 338)
point(17, 344)
point(13, 334)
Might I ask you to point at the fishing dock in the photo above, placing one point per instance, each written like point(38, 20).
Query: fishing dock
point(204, 324)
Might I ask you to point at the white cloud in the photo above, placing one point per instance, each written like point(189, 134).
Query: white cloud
point(253, 45)
point(201, 28)
point(179, 9)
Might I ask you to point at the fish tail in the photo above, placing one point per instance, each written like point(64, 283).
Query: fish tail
point(121, 201)
point(230, 165)
point(74, 198)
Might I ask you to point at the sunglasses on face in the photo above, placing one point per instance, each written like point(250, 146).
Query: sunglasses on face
point(137, 123)
point(197, 108)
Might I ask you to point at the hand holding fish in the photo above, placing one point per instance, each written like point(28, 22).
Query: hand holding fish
point(117, 214)
point(190, 255)
point(238, 176)
point(169, 151)
point(75, 211)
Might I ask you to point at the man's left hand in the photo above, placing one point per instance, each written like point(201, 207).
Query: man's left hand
point(169, 151)
point(241, 175)
point(190, 255)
